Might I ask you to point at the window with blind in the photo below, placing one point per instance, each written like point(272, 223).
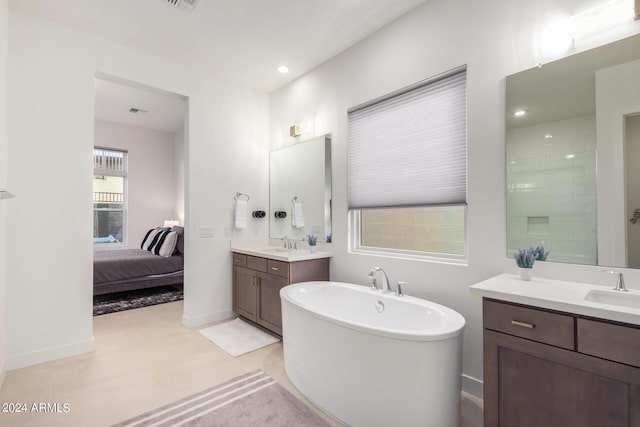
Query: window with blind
point(407, 169)
point(109, 199)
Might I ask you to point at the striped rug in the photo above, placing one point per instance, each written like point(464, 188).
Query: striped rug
point(253, 399)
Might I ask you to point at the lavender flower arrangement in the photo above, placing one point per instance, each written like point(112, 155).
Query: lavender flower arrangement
point(540, 253)
point(312, 239)
point(328, 238)
point(525, 258)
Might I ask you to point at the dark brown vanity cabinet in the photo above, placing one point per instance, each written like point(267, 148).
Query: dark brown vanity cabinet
point(257, 282)
point(545, 368)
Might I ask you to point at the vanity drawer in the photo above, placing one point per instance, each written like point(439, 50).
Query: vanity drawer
point(278, 268)
point(537, 325)
point(609, 341)
point(239, 260)
point(256, 263)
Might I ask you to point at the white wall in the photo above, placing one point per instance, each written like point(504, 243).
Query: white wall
point(495, 38)
point(50, 126)
point(151, 176)
point(178, 178)
point(4, 35)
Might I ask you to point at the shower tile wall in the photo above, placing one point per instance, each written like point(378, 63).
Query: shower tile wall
point(551, 189)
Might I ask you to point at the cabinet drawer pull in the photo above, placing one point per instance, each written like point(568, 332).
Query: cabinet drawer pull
point(275, 268)
point(524, 325)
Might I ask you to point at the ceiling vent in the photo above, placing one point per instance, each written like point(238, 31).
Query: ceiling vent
point(186, 5)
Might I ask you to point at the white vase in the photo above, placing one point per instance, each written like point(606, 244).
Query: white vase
point(312, 248)
point(526, 273)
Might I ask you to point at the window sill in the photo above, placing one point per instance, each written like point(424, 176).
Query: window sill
point(410, 255)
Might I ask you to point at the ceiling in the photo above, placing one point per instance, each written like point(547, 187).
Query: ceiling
point(241, 40)
point(163, 112)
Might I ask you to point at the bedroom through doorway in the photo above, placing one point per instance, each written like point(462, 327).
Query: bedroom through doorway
point(138, 195)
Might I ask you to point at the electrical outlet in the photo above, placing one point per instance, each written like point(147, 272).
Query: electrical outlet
point(206, 231)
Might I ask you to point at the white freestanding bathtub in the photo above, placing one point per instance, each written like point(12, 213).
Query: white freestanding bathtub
point(372, 359)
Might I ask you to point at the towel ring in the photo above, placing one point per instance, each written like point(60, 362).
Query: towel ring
point(295, 199)
point(238, 195)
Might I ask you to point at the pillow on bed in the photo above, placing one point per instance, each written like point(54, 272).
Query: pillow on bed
point(166, 244)
point(150, 238)
point(160, 242)
point(180, 242)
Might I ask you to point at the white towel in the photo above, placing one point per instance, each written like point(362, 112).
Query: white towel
point(297, 216)
point(241, 214)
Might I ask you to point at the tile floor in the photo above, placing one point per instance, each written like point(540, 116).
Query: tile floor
point(144, 358)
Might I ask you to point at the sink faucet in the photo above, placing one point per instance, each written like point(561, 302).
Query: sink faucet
point(374, 282)
point(620, 286)
point(286, 243)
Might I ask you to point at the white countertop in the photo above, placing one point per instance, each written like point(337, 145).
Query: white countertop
point(277, 253)
point(555, 295)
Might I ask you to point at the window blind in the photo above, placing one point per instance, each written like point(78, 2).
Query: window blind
point(409, 148)
point(109, 162)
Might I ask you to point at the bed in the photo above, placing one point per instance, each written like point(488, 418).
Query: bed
point(117, 270)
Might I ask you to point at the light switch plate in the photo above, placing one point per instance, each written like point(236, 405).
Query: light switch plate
point(206, 231)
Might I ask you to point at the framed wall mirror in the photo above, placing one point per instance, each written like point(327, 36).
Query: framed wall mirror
point(573, 157)
point(300, 190)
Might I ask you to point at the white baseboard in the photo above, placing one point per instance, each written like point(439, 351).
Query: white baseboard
point(193, 321)
point(23, 360)
point(473, 386)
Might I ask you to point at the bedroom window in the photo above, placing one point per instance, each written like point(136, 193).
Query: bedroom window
point(407, 171)
point(109, 196)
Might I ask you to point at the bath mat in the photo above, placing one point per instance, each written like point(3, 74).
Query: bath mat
point(253, 399)
point(121, 301)
point(238, 337)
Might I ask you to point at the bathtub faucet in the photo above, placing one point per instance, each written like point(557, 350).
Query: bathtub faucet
point(374, 282)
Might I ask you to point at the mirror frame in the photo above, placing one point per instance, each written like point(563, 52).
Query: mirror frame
point(326, 196)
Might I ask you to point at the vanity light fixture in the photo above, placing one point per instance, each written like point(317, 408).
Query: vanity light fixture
point(519, 113)
point(295, 130)
point(283, 69)
point(603, 17)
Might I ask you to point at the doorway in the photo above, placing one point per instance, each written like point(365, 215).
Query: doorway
point(139, 157)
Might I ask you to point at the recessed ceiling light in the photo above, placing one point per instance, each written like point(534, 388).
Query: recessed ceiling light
point(519, 113)
point(570, 156)
point(283, 69)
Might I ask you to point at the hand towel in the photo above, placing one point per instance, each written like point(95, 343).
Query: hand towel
point(297, 216)
point(241, 214)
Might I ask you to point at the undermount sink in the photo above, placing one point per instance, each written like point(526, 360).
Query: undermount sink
point(274, 250)
point(622, 299)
